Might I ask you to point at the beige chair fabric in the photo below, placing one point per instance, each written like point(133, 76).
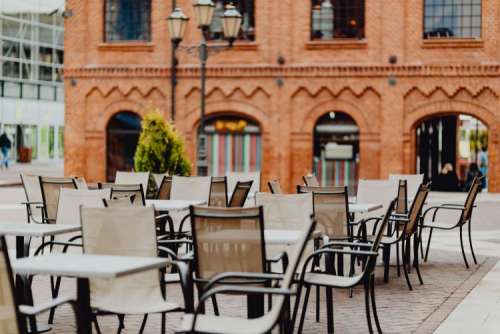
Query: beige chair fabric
point(51, 187)
point(158, 178)
point(81, 183)
point(33, 192)
point(135, 192)
point(191, 188)
point(165, 188)
point(133, 178)
point(240, 194)
point(402, 198)
point(8, 316)
point(124, 232)
point(227, 239)
point(119, 202)
point(413, 182)
point(285, 211)
point(275, 187)
point(311, 180)
point(234, 177)
point(376, 192)
point(218, 192)
point(68, 209)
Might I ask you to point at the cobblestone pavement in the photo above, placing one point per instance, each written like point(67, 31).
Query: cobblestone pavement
point(400, 310)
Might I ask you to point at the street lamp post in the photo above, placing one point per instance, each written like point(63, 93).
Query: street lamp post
point(231, 23)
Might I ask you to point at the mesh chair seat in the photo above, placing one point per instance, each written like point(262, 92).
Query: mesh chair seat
point(330, 280)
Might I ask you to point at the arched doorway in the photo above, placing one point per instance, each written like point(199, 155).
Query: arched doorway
point(122, 134)
point(336, 150)
point(458, 139)
point(233, 145)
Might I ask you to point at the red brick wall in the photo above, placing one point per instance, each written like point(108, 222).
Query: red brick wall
point(432, 77)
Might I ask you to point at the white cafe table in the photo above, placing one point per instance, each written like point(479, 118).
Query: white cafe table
point(172, 205)
point(24, 230)
point(84, 267)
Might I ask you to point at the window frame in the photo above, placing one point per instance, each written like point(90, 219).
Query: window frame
point(106, 41)
point(451, 39)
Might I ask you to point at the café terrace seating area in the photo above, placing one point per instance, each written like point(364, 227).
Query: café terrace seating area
point(228, 254)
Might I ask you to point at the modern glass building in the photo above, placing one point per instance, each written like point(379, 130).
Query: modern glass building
point(31, 88)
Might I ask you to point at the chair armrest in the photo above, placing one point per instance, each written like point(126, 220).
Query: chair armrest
point(37, 309)
point(174, 241)
point(280, 257)
point(57, 243)
point(186, 280)
point(31, 203)
point(346, 244)
point(257, 276)
point(457, 205)
point(436, 208)
point(170, 252)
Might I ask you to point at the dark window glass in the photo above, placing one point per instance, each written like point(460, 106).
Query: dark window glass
point(246, 9)
point(45, 73)
point(452, 19)
point(10, 49)
point(337, 19)
point(127, 20)
point(11, 69)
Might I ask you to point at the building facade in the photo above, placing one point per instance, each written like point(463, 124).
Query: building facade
point(31, 87)
point(342, 88)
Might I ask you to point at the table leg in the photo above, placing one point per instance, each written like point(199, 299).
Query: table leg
point(84, 312)
point(255, 305)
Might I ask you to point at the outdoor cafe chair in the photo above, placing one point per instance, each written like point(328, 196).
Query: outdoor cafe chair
point(240, 194)
point(81, 183)
point(198, 322)
point(119, 202)
point(413, 182)
point(126, 190)
point(218, 192)
point(50, 188)
point(234, 177)
point(464, 219)
point(327, 278)
point(68, 212)
point(133, 178)
point(129, 231)
point(158, 178)
point(227, 240)
point(402, 235)
point(164, 188)
point(274, 187)
point(34, 199)
point(14, 318)
point(311, 180)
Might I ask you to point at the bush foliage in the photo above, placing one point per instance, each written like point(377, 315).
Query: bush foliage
point(160, 148)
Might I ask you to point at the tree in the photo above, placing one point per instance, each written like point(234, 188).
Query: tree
point(160, 148)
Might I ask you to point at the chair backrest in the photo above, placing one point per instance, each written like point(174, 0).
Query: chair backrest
point(31, 185)
point(68, 209)
point(311, 180)
point(105, 185)
point(275, 187)
point(158, 178)
point(381, 229)
point(416, 208)
point(414, 181)
point(402, 199)
point(122, 231)
point(227, 239)
point(286, 211)
point(331, 210)
point(81, 183)
point(129, 190)
point(234, 177)
point(133, 178)
point(218, 192)
point(196, 188)
point(119, 202)
point(165, 188)
point(10, 320)
point(51, 187)
point(471, 199)
point(240, 194)
point(376, 191)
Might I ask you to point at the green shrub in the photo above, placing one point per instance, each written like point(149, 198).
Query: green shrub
point(160, 148)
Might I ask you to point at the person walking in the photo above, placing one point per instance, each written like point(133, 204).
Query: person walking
point(5, 146)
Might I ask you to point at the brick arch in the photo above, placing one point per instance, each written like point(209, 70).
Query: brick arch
point(439, 108)
point(311, 117)
point(116, 107)
point(238, 108)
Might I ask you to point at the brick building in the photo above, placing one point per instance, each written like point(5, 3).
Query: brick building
point(367, 72)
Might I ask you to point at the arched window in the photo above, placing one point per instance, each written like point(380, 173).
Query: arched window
point(246, 9)
point(123, 133)
point(234, 145)
point(337, 19)
point(127, 20)
point(336, 150)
